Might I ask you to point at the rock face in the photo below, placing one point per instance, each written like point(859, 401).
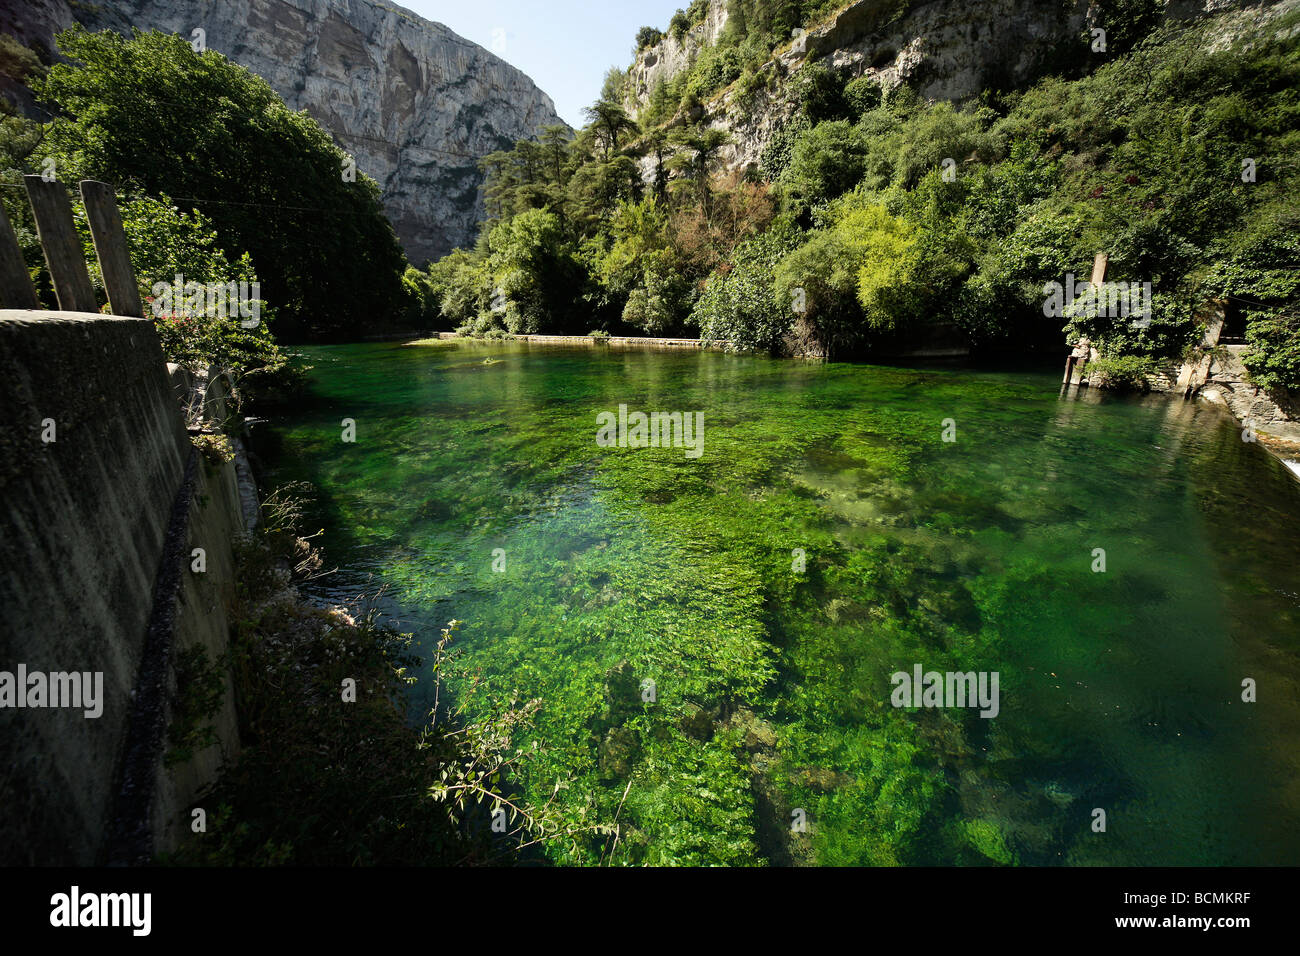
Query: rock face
point(944, 50)
point(671, 55)
point(414, 103)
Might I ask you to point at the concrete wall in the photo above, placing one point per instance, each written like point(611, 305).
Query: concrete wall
point(85, 524)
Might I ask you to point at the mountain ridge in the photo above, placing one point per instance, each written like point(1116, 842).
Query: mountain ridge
point(416, 104)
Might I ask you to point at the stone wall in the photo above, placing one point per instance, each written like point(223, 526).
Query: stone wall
point(104, 499)
point(1272, 415)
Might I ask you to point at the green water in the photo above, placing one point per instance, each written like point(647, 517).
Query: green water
point(1119, 690)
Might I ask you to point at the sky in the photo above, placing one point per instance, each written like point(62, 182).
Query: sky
point(565, 46)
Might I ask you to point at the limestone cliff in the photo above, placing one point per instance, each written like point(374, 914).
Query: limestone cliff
point(414, 103)
point(945, 50)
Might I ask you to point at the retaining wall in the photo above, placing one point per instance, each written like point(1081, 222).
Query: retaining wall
point(96, 530)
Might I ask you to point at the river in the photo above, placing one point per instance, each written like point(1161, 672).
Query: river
point(720, 632)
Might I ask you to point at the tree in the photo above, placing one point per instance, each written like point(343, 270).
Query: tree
point(164, 242)
point(610, 121)
point(697, 156)
point(149, 113)
point(826, 161)
point(647, 37)
point(740, 304)
point(855, 275)
point(533, 271)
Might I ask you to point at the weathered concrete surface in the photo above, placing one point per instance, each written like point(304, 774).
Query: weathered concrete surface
point(81, 532)
point(216, 520)
point(96, 545)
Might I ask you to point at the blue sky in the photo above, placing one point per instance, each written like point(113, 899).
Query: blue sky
point(564, 45)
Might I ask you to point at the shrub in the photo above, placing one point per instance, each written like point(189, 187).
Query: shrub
point(1124, 373)
point(826, 161)
point(740, 304)
point(862, 94)
point(820, 93)
point(776, 155)
point(679, 25)
point(647, 37)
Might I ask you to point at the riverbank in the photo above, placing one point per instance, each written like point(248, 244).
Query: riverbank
point(613, 341)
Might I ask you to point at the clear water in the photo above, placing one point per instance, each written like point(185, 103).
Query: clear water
point(1119, 690)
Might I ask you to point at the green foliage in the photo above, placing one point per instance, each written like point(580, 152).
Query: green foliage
point(747, 88)
point(856, 273)
point(1273, 355)
point(149, 113)
point(655, 305)
point(533, 271)
point(714, 68)
point(661, 105)
point(18, 62)
point(861, 95)
point(215, 448)
point(739, 304)
point(200, 689)
point(1262, 282)
point(458, 284)
point(165, 242)
point(819, 91)
point(647, 37)
point(1126, 22)
point(639, 269)
point(679, 25)
point(779, 151)
point(609, 121)
point(422, 306)
point(1127, 373)
point(825, 162)
point(986, 837)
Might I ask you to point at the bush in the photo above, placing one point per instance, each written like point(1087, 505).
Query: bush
point(862, 94)
point(164, 242)
point(657, 304)
point(714, 68)
point(740, 304)
point(826, 161)
point(778, 152)
point(458, 286)
point(1262, 281)
point(820, 93)
point(679, 25)
point(647, 37)
point(1124, 373)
